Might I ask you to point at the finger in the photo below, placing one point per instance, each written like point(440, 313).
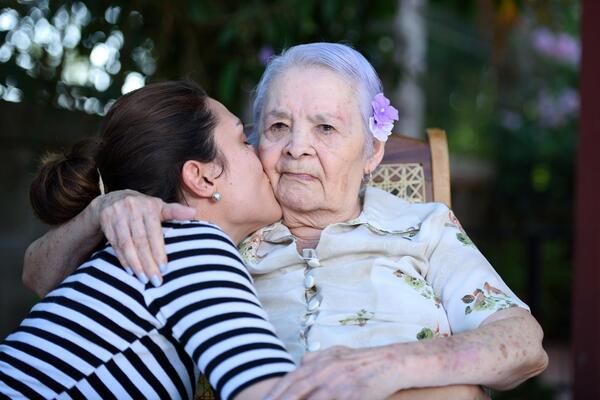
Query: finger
point(110, 236)
point(337, 386)
point(142, 248)
point(300, 389)
point(287, 381)
point(124, 244)
point(322, 356)
point(123, 261)
point(309, 357)
point(157, 241)
point(322, 393)
point(177, 211)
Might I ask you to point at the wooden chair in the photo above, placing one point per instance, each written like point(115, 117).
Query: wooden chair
point(416, 170)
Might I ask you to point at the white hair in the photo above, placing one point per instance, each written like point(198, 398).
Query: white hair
point(339, 58)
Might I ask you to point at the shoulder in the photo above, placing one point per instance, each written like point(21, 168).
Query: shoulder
point(179, 231)
point(194, 239)
point(393, 214)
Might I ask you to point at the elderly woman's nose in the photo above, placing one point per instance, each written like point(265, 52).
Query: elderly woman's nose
point(299, 145)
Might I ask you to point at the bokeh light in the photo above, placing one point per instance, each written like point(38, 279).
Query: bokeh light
point(45, 43)
point(133, 81)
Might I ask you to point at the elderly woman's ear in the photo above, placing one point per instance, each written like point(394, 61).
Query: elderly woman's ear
point(374, 159)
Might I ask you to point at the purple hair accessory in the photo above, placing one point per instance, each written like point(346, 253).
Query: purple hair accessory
point(381, 122)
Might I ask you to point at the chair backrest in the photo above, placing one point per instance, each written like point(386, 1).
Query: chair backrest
point(416, 170)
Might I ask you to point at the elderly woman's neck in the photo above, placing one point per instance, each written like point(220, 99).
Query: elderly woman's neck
point(307, 226)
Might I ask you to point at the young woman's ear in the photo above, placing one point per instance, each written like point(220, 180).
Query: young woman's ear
point(199, 178)
point(375, 158)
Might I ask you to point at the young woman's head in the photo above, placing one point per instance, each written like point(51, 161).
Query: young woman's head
point(168, 140)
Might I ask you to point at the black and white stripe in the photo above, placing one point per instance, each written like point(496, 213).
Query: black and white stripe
point(102, 334)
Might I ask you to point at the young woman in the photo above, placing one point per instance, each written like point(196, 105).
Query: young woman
point(104, 334)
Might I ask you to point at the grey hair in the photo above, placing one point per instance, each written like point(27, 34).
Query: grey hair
point(339, 58)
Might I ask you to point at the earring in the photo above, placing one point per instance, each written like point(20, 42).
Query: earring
point(216, 196)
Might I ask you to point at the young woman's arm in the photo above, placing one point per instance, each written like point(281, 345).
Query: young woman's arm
point(129, 220)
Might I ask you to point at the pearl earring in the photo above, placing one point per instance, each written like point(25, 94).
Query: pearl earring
point(216, 196)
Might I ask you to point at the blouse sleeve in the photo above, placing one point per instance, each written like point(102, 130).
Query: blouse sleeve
point(470, 288)
point(208, 303)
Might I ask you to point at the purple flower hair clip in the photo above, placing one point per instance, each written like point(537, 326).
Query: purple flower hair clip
point(384, 115)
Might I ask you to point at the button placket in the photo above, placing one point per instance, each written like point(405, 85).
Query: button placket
point(312, 297)
point(309, 280)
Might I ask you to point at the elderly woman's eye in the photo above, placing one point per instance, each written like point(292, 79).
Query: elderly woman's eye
point(278, 126)
point(325, 128)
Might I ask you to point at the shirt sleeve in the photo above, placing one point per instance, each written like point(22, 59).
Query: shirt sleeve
point(470, 288)
point(208, 303)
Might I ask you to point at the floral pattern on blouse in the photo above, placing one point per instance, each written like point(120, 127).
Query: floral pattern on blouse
point(489, 298)
point(249, 247)
point(360, 318)
point(462, 235)
point(428, 333)
point(363, 303)
point(421, 286)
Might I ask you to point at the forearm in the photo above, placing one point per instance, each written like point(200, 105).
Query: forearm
point(500, 354)
point(55, 255)
point(454, 392)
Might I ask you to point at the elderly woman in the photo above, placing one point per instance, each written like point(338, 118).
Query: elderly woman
point(358, 279)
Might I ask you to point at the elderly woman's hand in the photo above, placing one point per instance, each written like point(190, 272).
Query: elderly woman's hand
point(345, 373)
point(131, 222)
point(453, 392)
point(338, 373)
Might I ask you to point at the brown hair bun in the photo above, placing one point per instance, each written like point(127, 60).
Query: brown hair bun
point(66, 183)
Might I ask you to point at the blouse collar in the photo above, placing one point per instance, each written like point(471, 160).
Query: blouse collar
point(382, 213)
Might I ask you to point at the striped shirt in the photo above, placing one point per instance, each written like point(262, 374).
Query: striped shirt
point(103, 334)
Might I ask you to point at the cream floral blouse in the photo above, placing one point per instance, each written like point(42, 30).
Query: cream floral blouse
point(399, 272)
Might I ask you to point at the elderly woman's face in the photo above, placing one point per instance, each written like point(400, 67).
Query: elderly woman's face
point(311, 143)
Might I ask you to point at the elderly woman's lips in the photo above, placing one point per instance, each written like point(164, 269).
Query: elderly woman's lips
point(302, 177)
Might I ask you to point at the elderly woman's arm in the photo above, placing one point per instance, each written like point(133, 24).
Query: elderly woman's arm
point(52, 257)
point(496, 341)
point(503, 352)
point(454, 392)
point(128, 219)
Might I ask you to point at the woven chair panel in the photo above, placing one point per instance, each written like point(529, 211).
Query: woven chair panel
point(405, 180)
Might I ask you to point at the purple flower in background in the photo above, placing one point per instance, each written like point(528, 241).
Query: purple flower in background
point(554, 111)
point(543, 40)
point(567, 49)
point(384, 115)
point(568, 101)
point(547, 110)
point(561, 47)
point(264, 54)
